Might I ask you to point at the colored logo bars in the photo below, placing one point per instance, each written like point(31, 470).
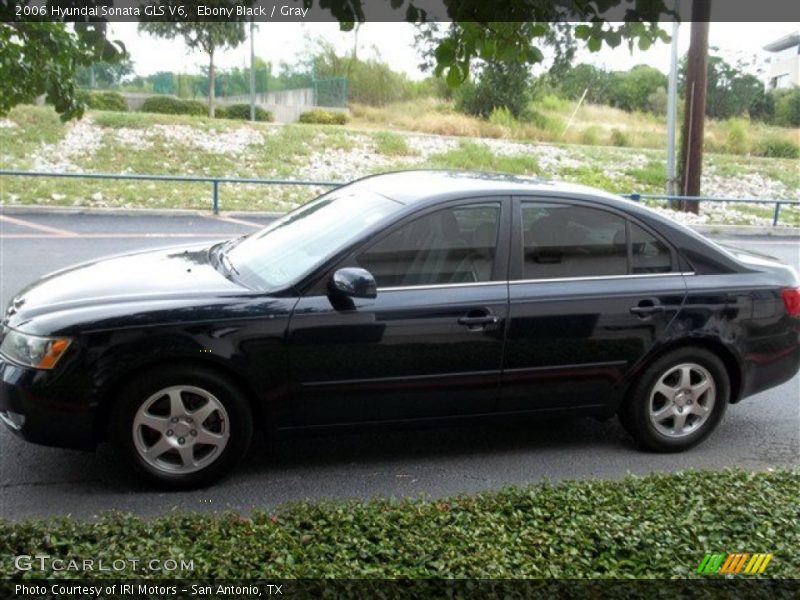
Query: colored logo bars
point(738, 562)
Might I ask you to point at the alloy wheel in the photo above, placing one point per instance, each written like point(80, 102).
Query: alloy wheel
point(181, 429)
point(682, 400)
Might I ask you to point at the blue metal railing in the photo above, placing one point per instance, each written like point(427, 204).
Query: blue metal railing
point(216, 181)
point(670, 199)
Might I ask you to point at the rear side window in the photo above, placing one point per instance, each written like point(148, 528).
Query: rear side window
point(572, 241)
point(648, 254)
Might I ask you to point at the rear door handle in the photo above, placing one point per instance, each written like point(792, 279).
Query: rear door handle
point(647, 310)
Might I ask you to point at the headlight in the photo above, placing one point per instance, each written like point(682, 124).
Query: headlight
point(33, 350)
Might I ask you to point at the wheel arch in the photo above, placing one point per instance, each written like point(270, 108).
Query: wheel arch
point(718, 348)
point(112, 390)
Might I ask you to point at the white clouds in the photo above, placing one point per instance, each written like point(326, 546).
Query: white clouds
point(290, 42)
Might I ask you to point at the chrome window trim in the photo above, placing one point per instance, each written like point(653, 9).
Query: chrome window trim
point(403, 288)
point(603, 277)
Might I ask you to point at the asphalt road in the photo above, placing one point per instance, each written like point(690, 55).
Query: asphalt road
point(760, 433)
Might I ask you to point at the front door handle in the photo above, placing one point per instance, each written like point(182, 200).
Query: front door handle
point(478, 318)
point(485, 320)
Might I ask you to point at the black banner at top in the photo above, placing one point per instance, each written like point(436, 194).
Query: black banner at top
point(286, 11)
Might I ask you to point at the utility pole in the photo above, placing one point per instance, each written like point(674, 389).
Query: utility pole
point(691, 163)
point(672, 105)
point(252, 71)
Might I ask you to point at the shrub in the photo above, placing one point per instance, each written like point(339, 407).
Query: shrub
point(503, 117)
point(777, 147)
point(787, 107)
point(549, 123)
point(104, 101)
point(391, 144)
point(738, 135)
point(241, 112)
point(576, 529)
point(169, 105)
point(591, 135)
point(619, 138)
point(323, 117)
point(657, 102)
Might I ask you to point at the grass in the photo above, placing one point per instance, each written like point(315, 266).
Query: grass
point(391, 144)
point(479, 157)
point(658, 526)
point(547, 120)
point(185, 145)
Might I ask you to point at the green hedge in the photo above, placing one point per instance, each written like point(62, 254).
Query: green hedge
point(323, 117)
point(241, 112)
point(660, 525)
point(777, 147)
point(174, 106)
point(104, 101)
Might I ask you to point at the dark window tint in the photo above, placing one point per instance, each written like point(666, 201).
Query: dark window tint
point(454, 245)
point(572, 241)
point(649, 255)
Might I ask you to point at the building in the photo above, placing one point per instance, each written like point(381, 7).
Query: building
point(784, 64)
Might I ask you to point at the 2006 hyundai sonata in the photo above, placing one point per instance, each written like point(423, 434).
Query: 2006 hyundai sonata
point(400, 297)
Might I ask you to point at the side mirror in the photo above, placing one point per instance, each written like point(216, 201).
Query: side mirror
point(354, 283)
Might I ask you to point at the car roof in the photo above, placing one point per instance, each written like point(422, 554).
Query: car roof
point(409, 187)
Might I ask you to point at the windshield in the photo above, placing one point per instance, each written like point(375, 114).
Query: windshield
point(291, 247)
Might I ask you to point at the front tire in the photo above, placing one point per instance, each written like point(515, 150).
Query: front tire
point(677, 401)
point(183, 427)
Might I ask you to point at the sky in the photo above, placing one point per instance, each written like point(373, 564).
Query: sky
point(393, 42)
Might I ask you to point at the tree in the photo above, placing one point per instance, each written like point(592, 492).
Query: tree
point(595, 81)
point(507, 32)
point(207, 36)
point(731, 91)
point(103, 74)
point(499, 85)
point(43, 58)
point(630, 90)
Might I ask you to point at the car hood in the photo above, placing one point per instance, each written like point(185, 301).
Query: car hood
point(153, 275)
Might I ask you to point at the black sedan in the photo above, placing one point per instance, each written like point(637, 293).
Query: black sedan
point(403, 297)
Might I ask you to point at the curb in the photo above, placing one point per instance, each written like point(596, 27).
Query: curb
point(21, 209)
point(33, 209)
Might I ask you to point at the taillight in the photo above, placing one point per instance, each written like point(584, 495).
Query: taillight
point(791, 298)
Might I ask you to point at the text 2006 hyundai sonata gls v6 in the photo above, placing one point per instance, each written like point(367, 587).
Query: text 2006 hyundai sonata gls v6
point(400, 297)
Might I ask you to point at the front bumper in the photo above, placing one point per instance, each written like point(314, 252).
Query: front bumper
point(37, 406)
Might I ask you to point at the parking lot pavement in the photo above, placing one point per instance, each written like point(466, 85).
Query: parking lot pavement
point(762, 432)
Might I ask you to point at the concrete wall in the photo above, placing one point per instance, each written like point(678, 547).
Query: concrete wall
point(285, 106)
point(298, 97)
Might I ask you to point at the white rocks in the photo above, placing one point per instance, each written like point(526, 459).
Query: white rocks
point(7, 124)
point(133, 138)
point(82, 139)
point(233, 141)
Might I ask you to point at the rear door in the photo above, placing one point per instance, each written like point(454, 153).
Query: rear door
point(590, 294)
point(430, 344)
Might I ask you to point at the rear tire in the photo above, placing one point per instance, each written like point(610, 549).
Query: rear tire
point(677, 401)
point(182, 427)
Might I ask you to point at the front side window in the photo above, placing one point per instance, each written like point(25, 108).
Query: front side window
point(291, 247)
point(561, 241)
point(452, 245)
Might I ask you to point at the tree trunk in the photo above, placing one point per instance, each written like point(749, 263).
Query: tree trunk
point(691, 160)
point(211, 83)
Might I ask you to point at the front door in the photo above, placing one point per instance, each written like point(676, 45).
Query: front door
point(590, 294)
point(431, 343)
